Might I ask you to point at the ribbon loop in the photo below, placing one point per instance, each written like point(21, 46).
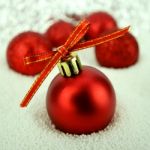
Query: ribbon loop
point(78, 46)
point(77, 34)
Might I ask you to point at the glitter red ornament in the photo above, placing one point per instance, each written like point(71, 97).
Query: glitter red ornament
point(58, 32)
point(27, 44)
point(99, 23)
point(118, 53)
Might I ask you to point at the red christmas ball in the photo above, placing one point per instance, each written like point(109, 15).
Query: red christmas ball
point(99, 23)
point(27, 44)
point(118, 53)
point(81, 104)
point(58, 33)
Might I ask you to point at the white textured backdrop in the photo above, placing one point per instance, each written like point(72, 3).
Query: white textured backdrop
point(30, 129)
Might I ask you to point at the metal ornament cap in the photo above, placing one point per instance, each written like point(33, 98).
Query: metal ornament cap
point(70, 65)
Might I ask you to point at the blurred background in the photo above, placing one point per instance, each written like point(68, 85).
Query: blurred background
point(30, 128)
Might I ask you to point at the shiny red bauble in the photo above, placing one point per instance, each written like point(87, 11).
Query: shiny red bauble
point(99, 23)
point(27, 44)
point(81, 104)
point(58, 33)
point(118, 53)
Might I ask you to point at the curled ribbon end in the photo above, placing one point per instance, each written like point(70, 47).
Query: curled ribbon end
point(127, 28)
point(22, 105)
point(25, 102)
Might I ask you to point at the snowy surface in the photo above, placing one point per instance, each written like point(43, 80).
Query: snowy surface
point(31, 129)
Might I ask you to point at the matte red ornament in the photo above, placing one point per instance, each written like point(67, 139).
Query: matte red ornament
point(118, 53)
point(27, 44)
point(99, 23)
point(81, 104)
point(58, 33)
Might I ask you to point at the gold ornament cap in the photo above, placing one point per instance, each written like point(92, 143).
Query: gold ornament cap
point(70, 65)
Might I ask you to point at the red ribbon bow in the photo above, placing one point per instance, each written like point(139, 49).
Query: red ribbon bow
point(70, 45)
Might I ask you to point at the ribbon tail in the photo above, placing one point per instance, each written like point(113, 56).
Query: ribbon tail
point(101, 40)
point(35, 86)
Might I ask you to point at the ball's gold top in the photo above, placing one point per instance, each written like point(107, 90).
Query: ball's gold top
point(70, 65)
